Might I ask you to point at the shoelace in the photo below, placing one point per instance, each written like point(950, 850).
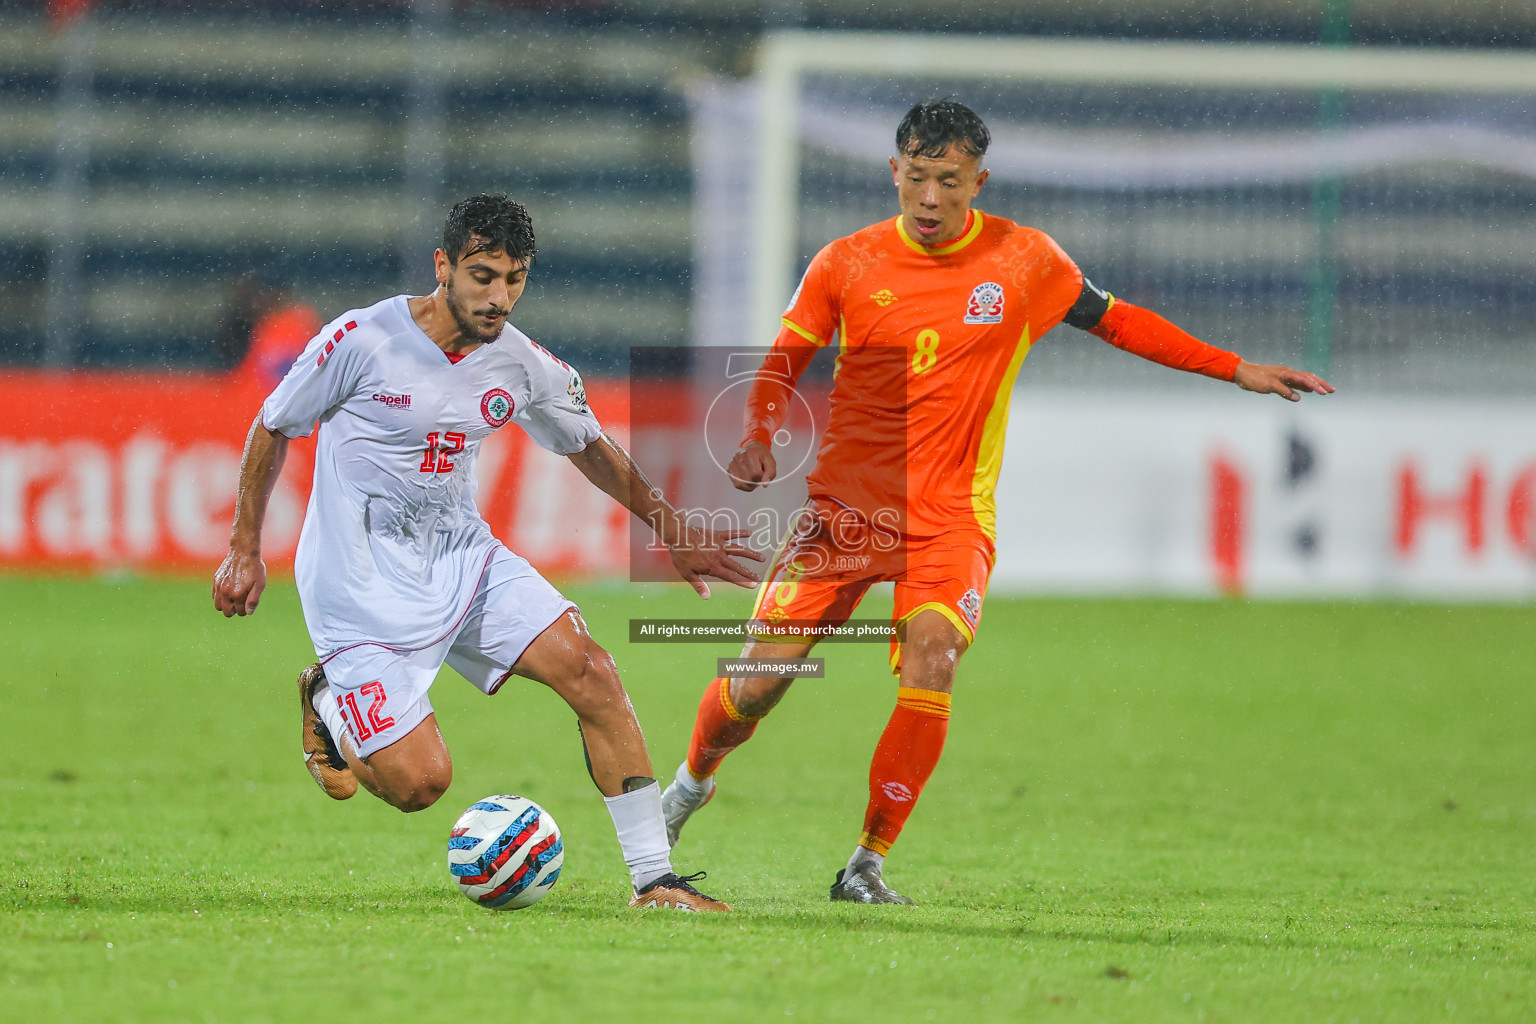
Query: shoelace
point(679, 882)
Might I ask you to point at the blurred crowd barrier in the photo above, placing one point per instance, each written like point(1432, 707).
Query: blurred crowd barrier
point(1364, 214)
point(151, 158)
point(1098, 495)
point(105, 471)
point(159, 166)
point(1334, 497)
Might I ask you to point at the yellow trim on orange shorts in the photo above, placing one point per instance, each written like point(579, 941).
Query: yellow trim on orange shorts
point(943, 609)
point(948, 612)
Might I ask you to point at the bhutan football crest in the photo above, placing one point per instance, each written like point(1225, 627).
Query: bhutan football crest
point(985, 305)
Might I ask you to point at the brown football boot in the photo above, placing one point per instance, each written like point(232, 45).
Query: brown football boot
point(674, 893)
point(322, 755)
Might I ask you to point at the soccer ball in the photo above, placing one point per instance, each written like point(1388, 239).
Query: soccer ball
point(505, 852)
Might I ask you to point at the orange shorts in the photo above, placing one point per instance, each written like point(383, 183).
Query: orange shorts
point(828, 561)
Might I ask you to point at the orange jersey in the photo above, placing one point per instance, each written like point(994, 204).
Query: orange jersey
point(276, 341)
point(930, 342)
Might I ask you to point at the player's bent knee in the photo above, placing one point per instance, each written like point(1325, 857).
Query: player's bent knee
point(590, 682)
point(411, 773)
point(419, 794)
point(941, 650)
point(929, 662)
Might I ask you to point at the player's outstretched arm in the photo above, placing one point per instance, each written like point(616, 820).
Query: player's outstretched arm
point(242, 576)
point(1278, 380)
point(695, 553)
point(1144, 333)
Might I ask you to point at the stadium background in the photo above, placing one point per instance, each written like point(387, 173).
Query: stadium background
point(157, 155)
point(1150, 808)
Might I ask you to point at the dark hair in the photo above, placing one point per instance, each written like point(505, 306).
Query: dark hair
point(931, 128)
point(489, 223)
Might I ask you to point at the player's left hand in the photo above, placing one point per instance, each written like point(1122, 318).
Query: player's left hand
point(1279, 380)
point(238, 584)
point(702, 553)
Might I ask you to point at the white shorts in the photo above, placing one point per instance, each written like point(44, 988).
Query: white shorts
point(382, 690)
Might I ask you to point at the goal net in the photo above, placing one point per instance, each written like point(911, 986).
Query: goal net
point(1365, 213)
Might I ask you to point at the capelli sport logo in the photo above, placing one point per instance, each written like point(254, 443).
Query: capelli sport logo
point(392, 401)
point(986, 304)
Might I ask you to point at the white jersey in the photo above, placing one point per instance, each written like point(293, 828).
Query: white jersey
point(393, 546)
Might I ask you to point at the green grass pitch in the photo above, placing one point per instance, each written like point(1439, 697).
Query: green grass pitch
point(1148, 810)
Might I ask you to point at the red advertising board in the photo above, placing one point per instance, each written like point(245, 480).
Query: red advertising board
point(105, 470)
point(102, 471)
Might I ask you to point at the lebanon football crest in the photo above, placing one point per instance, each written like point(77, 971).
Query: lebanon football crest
point(496, 407)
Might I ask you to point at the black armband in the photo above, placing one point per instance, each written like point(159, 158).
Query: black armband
point(1090, 307)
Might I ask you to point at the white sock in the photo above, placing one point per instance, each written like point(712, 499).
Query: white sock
point(330, 713)
point(863, 855)
point(642, 833)
point(689, 784)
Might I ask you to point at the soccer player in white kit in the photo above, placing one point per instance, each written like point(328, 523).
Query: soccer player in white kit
point(396, 570)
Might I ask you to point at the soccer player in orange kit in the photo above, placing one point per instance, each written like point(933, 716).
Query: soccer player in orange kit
point(934, 310)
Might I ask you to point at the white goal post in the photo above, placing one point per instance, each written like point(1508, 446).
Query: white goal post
point(786, 58)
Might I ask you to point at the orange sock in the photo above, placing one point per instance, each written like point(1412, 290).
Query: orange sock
point(718, 729)
point(905, 757)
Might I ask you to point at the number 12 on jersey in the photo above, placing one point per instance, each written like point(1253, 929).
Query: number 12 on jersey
point(439, 460)
point(364, 725)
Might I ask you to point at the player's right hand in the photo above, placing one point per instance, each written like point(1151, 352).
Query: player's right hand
point(238, 584)
point(752, 466)
point(714, 553)
point(1279, 380)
